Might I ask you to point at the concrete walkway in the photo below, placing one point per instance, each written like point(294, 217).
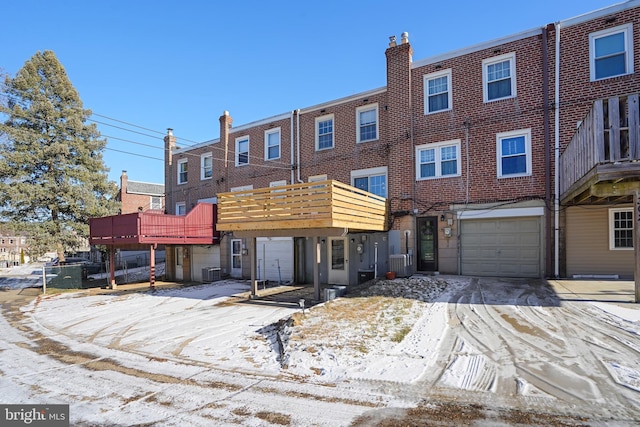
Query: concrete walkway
point(619, 292)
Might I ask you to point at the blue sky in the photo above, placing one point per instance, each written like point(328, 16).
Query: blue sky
point(160, 64)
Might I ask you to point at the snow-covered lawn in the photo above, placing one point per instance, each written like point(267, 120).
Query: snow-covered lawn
point(202, 355)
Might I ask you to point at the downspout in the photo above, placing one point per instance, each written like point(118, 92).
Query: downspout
point(467, 124)
point(298, 142)
point(547, 147)
point(556, 202)
point(292, 148)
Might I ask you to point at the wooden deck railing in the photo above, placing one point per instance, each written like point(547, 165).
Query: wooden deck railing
point(196, 227)
point(302, 206)
point(608, 134)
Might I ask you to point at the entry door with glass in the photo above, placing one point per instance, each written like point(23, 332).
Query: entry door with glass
point(236, 258)
point(338, 261)
point(179, 260)
point(427, 244)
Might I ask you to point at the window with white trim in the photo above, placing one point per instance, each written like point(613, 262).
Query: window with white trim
point(437, 92)
point(324, 132)
point(611, 52)
point(182, 171)
point(156, 203)
point(438, 160)
point(499, 77)
point(242, 151)
point(181, 208)
point(317, 178)
point(373, 180)
point(272, 144)
point(621, 229)
point(367, 123)
point(206, 166)
point(513, 151)
point(281, 183)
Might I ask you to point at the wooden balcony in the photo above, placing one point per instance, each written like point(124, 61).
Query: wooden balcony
point(315, 205)
point(141, 228)
point(601, 163)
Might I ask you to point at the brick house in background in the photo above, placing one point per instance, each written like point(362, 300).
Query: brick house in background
point(515, 157)
point(13, 248)
point(136, 196)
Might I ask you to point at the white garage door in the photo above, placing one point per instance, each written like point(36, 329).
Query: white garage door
point(505, 247)
point(275, 259)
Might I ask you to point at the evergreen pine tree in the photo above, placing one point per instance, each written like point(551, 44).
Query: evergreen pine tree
point(52, 174)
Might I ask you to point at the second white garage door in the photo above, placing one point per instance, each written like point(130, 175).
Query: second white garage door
point(504, 247)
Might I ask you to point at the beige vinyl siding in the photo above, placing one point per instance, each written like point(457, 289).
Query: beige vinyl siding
point(587, 237)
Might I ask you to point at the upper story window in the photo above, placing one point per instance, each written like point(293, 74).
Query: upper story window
point(621, 228)
point(499, 77)
point(438, 160)
point(272, 144)
point(156, 203)
point(373, 180)
point(514, 153)
point(181, 208)
point(437, 92)
point(206, 166)
point(182, 171)
point(611, 52)
point(324, 132)
point(242, 151)
point(367, 123)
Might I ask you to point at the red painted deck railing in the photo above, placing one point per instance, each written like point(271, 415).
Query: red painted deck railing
point(196, 227)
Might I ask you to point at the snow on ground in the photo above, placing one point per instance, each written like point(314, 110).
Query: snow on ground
point(205, 355)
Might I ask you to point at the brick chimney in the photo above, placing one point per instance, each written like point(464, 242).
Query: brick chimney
point(399, 121)
point(225, 125)
point(169, 175)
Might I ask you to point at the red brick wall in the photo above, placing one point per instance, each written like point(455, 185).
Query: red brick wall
point(485, 120)
point(403, 126)
point(577, 92)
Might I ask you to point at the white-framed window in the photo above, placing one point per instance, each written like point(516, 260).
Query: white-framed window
point(324, 132)
point(367, 123)
point(242, 189)
point(272, 144)
point(155, 203)
point(621, 229)
point(373, 180)
point(181, 208)
point(182, 171)
point(499, 77)
point(438, 160)
point(317, 178)
point(437, 92)
point(242, 151)
point(278, 183)
point(206, 166)
point(611, 52)
point(281, 183)
point(513, 150)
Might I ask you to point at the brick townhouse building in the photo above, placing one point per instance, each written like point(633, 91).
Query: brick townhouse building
point(138, 196)
point(513, 157)
point(13, 248)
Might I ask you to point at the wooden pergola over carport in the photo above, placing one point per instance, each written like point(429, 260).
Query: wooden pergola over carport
point(147, 230)
point(317, 209)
